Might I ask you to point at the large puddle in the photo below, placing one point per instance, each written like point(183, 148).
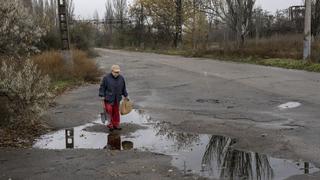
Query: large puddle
point(206, 155)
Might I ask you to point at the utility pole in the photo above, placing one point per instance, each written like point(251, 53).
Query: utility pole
point(307, 31)
point(64, 30)
point(64, 26)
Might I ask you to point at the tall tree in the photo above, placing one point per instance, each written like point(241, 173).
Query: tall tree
point(161, 14)
point(316, 18)
point(137, 14)
point(195, 25)
point(237, 14)
point(108, 19)
point(179, 17)
point(45, 15)
point(70, 6)
point(120, 13)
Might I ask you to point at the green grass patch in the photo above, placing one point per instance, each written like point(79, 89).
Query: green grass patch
point(292, 64)
point(59, 86)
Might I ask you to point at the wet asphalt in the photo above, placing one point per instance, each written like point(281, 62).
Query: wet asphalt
point(248, 103)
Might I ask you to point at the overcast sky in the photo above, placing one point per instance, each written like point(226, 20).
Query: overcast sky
point(86, 8)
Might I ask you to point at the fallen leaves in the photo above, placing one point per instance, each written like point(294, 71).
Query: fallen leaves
point(21, 136)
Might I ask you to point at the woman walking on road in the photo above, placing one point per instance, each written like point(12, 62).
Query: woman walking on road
point(112, 88)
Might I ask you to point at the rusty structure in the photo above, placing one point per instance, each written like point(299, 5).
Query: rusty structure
point(64, 26)
point(296, 14)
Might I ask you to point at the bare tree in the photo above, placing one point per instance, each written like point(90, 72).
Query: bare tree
point(237, 14)
point(70, 6)
point(120, 13)
point(108, 18)
point(316, 18)
point(179, 16)
point(138, 16)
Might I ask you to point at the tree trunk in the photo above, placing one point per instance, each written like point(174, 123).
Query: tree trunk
point(178, 34)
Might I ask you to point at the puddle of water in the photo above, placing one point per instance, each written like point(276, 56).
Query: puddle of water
point(289, 105)
point(206, 155)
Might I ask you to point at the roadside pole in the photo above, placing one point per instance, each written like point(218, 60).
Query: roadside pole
point(307, 32)
point(64, 32)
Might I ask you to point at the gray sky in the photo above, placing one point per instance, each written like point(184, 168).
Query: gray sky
point(86, 8)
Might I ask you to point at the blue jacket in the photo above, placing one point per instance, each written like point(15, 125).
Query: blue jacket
point(112, 88)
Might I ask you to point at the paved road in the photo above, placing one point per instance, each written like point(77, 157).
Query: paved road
point(238, 100)
point(211, 97)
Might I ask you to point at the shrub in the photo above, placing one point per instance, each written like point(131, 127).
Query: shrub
point(25, 91)
point(83, 68)
point(18, 32)
point(52, 64)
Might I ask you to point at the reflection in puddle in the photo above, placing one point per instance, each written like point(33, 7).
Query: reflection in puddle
point(114, 142)
point(69, 138)
point(207, 155)
point(235, 163)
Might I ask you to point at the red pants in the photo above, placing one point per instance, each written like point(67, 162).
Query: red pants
point(114, 114)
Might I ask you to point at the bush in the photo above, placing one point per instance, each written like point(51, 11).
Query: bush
point(52, 64)
point(25, 92)
point(83, 69)
point(18, 32)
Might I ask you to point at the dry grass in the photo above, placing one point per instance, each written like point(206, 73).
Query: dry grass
point(83, 69)
point(51, 63)
point(279, 46)
point(315, 55)
point(283, 51)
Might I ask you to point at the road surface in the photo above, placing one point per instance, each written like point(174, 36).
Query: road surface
point(268, 110)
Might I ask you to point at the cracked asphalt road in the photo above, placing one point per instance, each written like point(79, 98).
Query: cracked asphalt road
point(194, 95)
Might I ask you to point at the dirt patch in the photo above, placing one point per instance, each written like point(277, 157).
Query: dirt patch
point(86, 164)
point(22, 136)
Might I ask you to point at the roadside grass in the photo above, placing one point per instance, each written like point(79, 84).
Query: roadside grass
point(292, 64)
point(58, 87)
point(286, 63)
point(284, 51)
